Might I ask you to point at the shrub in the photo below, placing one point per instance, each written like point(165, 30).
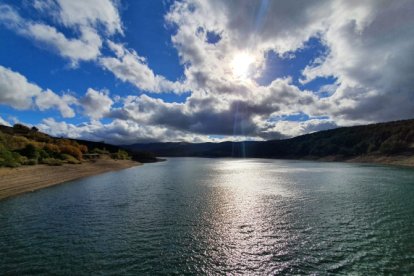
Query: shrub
point(71, 150)
point(8, 158)
point(83, 148)
point(392, 147)
point(16, 142)
point(43, 154)
point(30, 151)
point(40, 137)
point(51, 148)
point(121, 155)
point(52, 162)
point(70, 159)
point(31, 162)
point(100, 151)
point(21, 128)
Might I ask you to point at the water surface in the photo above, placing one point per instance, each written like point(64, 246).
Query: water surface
point(216, 216)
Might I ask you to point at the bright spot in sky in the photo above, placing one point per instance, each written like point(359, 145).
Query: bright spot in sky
point(240, 65)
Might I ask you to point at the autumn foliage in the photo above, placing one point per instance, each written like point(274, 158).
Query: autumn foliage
point(21, 145)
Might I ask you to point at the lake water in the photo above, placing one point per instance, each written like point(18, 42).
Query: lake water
point(216, 216)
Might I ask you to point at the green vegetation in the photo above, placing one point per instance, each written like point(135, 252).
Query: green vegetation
point(393, 138)
point(21, 145)
point(121, 155)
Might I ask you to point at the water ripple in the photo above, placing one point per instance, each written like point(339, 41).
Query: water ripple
point(216, 216)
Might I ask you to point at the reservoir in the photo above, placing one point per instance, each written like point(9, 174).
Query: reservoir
point(216, 216)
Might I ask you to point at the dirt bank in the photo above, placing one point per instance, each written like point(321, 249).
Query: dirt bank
point(29, 178)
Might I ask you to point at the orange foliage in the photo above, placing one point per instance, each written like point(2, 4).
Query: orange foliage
point(52, 148)
point(71, 150)
point(83, 148)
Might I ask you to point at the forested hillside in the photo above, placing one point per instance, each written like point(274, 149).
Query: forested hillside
point(380, 139)
point(21, 145)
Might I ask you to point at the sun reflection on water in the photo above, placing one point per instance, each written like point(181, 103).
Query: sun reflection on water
point(241, 218)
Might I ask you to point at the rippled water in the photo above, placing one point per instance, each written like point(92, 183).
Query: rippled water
point(216, 216)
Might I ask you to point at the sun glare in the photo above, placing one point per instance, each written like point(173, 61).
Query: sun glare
point(241, 65)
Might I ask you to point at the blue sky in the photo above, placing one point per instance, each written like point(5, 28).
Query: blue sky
point(141, 71)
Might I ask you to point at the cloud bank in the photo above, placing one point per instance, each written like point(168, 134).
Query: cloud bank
point(369, 49)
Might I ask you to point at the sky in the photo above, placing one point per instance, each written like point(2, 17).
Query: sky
point(125, 72)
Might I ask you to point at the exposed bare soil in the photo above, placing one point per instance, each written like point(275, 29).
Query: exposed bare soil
point(29, 178)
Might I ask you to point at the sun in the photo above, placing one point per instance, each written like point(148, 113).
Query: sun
point(241, 65)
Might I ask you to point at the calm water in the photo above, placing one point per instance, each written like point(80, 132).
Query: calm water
point(216, 216)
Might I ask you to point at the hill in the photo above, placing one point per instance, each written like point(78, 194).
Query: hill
point(382, 139)
point(21, 145)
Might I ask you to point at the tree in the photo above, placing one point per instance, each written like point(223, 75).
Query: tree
point(21, 128)
point(30, 152)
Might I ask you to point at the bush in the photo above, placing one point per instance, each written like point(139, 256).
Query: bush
point(83, 148)
point(16, 142)
point(71, 150)
point(100, 151)
point(120, 155)
point(9, 159)
point(30, 151)
point(392, 147)
point(21, 128)
point(43, 154)
point(52, 162)
point(70, 159)
point(51, 149)
point(31, 162)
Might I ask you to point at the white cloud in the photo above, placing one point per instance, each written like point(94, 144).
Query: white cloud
point(83, 17)
point(120, 132)
point(90, 13)
point(17, 92)
point(48, 99)
point(236, 113)
point(86, 47)
point(371, 86)
point(296, 128)
point(4, 122)
point(96, 104)
point(128, 66)
point(369, 49)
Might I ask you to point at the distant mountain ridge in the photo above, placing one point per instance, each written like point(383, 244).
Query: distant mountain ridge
point(391, 138)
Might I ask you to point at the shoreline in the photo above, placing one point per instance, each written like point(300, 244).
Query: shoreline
point(391, 160)
point(15, 181)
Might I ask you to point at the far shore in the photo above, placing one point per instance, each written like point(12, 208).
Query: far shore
point(30, 178)
point(392, 160)
point(14, 181)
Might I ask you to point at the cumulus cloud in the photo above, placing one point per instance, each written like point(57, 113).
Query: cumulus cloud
point(4, 122)
point(84, 18)
point(49, 99)
point(233, 114)
point(296, 128)
point(121, 132)
point(96, 104)
point(90, 13)
point(369, 48)
point(373, 80)
point(17, 92)
point(128, 66)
